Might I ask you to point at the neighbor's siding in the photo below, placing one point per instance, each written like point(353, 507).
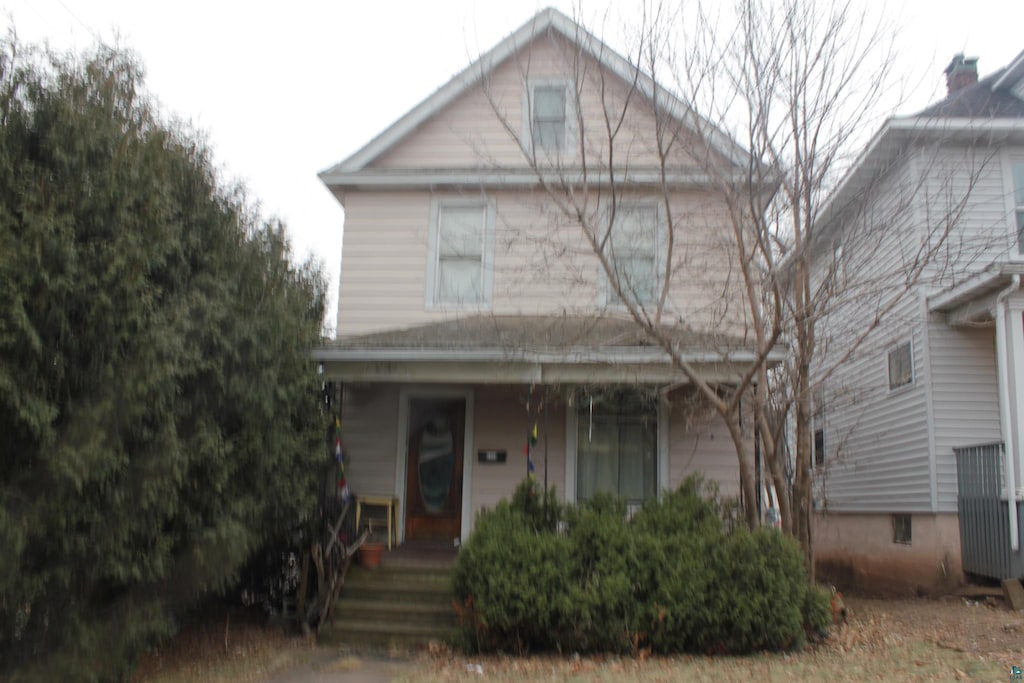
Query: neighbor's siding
point(965, 398)
point(876, 440)
point(965, 202)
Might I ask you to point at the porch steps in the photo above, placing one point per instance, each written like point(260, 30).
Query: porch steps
point(393, 607)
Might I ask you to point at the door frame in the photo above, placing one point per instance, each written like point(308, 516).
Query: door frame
point(405, 395)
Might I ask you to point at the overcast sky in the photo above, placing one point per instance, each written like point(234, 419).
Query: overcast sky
point(286, 89)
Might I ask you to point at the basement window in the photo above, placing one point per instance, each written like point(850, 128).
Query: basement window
point(901, 529)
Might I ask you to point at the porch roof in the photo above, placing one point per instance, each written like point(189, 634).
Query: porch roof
point(491, 349)
point(974, 298)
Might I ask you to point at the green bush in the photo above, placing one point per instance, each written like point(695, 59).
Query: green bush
point(510, 581)
point(817, 611)
point(673, 579)
point(603, 614)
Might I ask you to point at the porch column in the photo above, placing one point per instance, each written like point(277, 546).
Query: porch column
point(1008, 336)
point(1015, 348)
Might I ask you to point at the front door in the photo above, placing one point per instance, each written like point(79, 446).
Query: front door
point(433, 501)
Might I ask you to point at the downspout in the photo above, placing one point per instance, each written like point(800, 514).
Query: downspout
point(1006, 414)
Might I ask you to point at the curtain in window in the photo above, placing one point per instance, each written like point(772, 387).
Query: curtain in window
point(460, 254)
point(617, 449)
point(634, 242)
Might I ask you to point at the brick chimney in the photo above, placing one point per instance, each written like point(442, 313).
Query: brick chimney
point(961, 73)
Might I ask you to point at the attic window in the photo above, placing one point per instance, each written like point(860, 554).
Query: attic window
point(549, 117)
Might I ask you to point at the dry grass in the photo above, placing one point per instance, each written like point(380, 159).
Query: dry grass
point(903, 640)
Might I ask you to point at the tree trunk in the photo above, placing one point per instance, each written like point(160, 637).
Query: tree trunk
point(750, 510)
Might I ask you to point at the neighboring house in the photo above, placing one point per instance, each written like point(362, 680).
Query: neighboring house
point(928, 228)
point(472, 308)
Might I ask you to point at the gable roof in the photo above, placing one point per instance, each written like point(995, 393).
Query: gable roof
point(991, 97)
point(547, 20)
point(991, 110)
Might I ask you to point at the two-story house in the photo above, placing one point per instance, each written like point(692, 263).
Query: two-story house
point(475, 318)
point(927, 229)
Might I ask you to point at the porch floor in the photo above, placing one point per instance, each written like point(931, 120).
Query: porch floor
point(421, 554)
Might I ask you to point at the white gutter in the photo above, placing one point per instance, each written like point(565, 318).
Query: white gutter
point(625, 356)
point(1005, 410)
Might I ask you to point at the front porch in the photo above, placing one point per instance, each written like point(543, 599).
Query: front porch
point(449, 417)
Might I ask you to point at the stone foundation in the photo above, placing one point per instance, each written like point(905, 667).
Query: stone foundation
point(856, 552)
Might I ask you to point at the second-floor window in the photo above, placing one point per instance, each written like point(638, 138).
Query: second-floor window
point(460, 254)
point(901, 366)
point(633, 251)
point(1018, 201)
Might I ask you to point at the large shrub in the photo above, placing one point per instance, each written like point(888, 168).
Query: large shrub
point(675, 578)
point(158, 410)
point(511, 581)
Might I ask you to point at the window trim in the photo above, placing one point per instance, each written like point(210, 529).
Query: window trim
point(1016, 165)
point(819, 447)
point(568, 148)
point(663, 416)
point(608, 297)
point(431, 302)
point(909, 343)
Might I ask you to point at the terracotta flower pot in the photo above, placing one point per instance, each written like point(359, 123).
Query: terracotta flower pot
point(370, 554)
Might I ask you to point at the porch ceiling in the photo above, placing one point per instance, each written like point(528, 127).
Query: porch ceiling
point(533, 349)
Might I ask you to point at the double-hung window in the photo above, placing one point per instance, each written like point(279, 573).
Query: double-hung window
point(633, 252)
point(901, 366)
point(1018, 202)
point(616, 444)
point(460, 254)
point(548, 118)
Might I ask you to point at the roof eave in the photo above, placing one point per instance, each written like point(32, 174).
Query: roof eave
point(978, 285)
point(623, 355)
point(502, 178)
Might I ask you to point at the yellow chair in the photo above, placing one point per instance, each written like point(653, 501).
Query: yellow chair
point(390, 503)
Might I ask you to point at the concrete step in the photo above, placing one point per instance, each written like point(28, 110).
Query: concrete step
point(390, 607)
point(373, 635)
point(361, 609)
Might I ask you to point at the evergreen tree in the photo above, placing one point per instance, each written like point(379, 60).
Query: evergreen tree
point(158, 408)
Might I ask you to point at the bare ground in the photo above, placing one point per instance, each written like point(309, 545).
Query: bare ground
point(952, 639)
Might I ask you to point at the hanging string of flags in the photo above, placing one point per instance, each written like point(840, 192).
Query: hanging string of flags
point(339, 456)
point(531, 441)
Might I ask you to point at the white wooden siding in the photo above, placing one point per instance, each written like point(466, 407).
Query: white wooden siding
point(469, 132)
point(369, 423)
point(542, 264)
point(502, 423)
point(701, 443)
